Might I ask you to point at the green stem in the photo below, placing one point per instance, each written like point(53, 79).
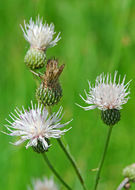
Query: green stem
point(69, 156)
point(55, 172)
point(103, 157)
point(35, 75)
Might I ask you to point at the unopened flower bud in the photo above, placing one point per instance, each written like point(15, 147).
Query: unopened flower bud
point(127, 186)
point(129, 172)
point(49, 96)
point(110, 116)
point(35, 58)
point(50, 91)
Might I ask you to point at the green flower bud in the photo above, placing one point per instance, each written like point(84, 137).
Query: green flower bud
point(129, 172)
point(49, 96)
point(35, 58)
point(110, 116)
point(127, 186)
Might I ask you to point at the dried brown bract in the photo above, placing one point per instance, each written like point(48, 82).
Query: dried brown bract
point(53, 71)
point(50, 91)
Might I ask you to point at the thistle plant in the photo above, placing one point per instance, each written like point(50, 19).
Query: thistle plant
point(38, 124)
point(108, 96)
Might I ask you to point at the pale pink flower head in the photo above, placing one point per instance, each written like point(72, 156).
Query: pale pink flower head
point(40, 35)
point(36, 126)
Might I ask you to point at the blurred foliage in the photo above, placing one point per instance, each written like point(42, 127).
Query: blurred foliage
point(97, 36)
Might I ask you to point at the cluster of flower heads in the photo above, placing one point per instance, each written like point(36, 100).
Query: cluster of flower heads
point(45, 184)
point(36, 126)
point(41, 36)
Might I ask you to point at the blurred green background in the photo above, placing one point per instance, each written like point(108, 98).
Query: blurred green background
point(97, 36)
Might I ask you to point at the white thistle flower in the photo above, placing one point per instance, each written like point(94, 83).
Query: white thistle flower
point(40, 35)
point(46, 184)
point(36, 126)
point(107, 94)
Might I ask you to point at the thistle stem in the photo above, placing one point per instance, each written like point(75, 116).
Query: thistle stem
point(123, 183)
point(69, 156)
point(55, 172)
point(103, 157)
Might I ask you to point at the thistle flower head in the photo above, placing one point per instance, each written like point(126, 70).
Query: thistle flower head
point(36, 126)
point(46, 184)
point(129, 172)
point(40, 35)
point(107, 94)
